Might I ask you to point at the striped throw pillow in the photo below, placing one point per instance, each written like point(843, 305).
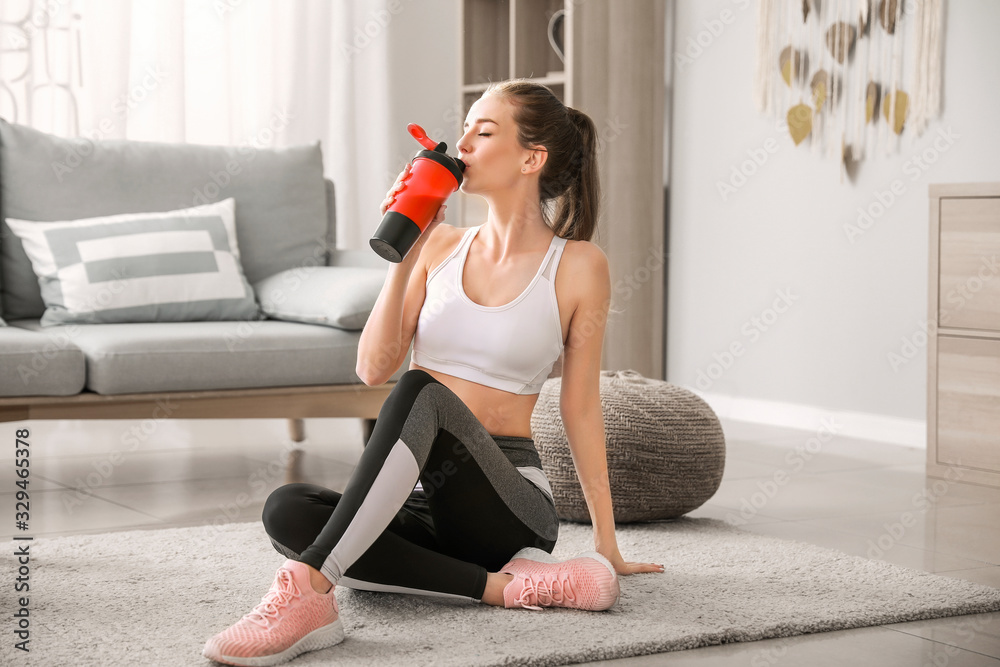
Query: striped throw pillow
point(176, 266)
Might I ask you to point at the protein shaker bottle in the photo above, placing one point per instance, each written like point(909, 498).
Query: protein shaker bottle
point(433, 177)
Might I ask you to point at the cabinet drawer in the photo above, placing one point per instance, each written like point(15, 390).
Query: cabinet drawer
point(969, 295)
point(968, 402)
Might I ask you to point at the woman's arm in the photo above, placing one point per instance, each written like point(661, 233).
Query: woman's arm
point(381, 344)
point(387, 334)
point(580, 399)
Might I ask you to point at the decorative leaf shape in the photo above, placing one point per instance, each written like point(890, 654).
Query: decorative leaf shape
point(820, 88)
point(864, 9)
point(871, 102)
point(799, 122)
point(896, 102)
point(840, 40)
point(790, 62)
point(888, 15)
point(806, 8)
point(846, 152)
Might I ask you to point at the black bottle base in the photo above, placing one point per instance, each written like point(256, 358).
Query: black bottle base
point(394, 237)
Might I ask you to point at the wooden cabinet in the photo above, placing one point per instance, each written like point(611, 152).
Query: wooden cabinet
point(963, 406)
point(613, 70)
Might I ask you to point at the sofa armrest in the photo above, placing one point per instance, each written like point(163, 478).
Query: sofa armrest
point(331, 217)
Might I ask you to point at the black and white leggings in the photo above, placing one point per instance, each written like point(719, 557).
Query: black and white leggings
point(474, 511)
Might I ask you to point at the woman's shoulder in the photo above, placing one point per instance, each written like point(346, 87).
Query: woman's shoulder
point(443, 240)
point(584, 256)
point(445, 234)
point(583, 273)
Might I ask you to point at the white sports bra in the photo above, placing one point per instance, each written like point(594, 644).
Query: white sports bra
point(510, 347)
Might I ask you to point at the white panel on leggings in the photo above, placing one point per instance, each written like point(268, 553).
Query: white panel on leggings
point(387, 494)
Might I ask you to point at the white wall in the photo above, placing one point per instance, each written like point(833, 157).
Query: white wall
point(407, 69)
point(423, 76)
point(853, 304)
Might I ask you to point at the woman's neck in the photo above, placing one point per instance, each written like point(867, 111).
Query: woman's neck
point(514, 227)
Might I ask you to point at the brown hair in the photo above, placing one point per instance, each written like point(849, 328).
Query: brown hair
point(569, 180)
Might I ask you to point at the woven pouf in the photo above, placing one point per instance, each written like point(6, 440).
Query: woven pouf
point(666, 451)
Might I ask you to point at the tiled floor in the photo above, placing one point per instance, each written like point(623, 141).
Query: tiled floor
point(864, 498)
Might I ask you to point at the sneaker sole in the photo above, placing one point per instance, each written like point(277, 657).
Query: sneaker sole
point(320, 638)
point(536, 554)
point(533, 553)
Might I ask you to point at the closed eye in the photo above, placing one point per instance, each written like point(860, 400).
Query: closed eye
point(484, 134)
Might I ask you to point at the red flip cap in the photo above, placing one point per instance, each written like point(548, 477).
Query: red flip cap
point(418, 133)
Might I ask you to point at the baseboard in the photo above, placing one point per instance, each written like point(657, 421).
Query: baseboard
point(863, 425)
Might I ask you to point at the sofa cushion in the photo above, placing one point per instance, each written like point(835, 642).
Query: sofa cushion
point(192, 356)
point(335, 296)
point(280, 193)
point(34, 363)
point(140, 267)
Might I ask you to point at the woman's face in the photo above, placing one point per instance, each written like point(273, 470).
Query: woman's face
point(489, 147)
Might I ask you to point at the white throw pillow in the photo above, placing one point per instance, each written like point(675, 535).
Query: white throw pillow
point(336, 296)
point(174, 266)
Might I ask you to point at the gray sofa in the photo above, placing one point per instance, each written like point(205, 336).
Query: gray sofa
point(294, 357)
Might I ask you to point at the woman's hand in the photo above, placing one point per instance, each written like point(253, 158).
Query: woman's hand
point(390, 198)
point(625, 567)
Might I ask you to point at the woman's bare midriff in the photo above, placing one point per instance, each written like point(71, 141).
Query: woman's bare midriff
point(501, 412)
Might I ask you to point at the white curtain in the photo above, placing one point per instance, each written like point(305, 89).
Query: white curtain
point(267, 72)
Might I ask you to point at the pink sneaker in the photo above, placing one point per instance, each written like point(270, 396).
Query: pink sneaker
point(291, 619)
point(586, 581)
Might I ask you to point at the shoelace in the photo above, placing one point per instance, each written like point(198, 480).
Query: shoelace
point(276, 598)
point(546, 593)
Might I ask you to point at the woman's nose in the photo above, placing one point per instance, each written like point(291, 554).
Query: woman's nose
point(464, 145)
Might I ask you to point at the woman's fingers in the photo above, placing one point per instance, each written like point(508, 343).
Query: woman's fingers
point(636, 568)
point(399, 184)
point(401, 179)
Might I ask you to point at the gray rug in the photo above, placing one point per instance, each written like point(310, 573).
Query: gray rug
point(154, 597)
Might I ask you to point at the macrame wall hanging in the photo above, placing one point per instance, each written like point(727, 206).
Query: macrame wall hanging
point(849, 76)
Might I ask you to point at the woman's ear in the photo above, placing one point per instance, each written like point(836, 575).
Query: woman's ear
point(536, 160)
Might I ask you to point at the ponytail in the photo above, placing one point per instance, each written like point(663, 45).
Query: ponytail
point(578, 207)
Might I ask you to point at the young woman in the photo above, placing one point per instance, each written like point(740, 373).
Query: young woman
point(449, 497)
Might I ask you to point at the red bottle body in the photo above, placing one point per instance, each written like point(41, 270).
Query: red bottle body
point(428, 185)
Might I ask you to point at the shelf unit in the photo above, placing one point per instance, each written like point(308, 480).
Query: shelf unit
point(963, 363)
